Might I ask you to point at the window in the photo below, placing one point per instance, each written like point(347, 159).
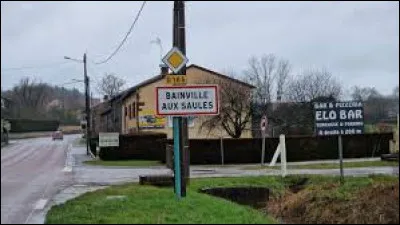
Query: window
point(134, 110)
point(130, 112)
point(126, 111)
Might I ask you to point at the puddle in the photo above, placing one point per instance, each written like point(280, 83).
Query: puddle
point(256, 197)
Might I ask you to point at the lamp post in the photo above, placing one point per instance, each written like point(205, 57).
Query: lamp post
point(87, 107)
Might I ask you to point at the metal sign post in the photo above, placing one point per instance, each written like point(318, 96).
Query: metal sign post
point(282, 143)
point(176, 60)
point(177, 172)
point(264, 123)
point(340, 148)
point(339, 118)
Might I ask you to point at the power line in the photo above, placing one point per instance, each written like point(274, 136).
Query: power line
point(33, 67)
point(126, 36)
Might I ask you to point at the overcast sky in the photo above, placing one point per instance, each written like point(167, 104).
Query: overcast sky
point(357, 41)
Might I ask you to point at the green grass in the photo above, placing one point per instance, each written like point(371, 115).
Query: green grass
point(147, 204)
point(128, 163)
point(329, 189)
point(330, 165)
point(151, 205)
point(346, 165)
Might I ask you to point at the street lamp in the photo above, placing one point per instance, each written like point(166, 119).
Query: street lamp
point(76, 60)
point(78, 80)
point(86, 81)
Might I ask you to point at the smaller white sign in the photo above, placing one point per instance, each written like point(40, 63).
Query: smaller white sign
point(108, 139)
point(187, 100)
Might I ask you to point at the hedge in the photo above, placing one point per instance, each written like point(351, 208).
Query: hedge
point(300, 148)
point(142, 146)
point(152, 146)
point(27, 125)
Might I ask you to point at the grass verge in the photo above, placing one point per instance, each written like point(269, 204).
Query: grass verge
point(330, 165)
point(127, 163)
point(146, 204)
point(151, 205)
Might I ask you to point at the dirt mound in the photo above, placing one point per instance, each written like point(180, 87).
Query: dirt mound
point(373, 204)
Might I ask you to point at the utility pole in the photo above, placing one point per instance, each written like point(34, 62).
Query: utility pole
point(87, 101)
point(87, 106)
point(179, 41)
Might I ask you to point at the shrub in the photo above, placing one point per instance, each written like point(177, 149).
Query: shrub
point(141, 146)
point(299, 148)
point(27, 125)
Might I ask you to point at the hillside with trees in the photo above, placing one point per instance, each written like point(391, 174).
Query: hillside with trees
point(31, 99)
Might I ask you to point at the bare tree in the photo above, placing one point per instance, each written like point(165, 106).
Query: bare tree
point(377, 107)
point(282, 75)
point(261, 74)
point(364, 93)
point(29, 98)
point(110, 85)
point(395, 92)
point(312, 84)
point(270, 76)
point(296, 116)
point(235, 108)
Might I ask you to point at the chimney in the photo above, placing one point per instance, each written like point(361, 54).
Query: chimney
point(164, 69)
point(105, 98)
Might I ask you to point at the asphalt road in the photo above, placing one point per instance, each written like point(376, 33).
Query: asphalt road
point(37, 173)
point(31, 174)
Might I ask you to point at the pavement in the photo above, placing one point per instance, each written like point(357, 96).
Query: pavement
point(39, 173)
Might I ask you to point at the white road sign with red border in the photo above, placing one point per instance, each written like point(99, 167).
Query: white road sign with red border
point(187, 100)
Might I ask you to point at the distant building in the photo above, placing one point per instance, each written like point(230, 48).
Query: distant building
point(95, 101)
point(116, 114)
point(138, 104)
point(54, 104)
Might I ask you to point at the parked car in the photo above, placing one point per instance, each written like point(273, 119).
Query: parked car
point(57, 135)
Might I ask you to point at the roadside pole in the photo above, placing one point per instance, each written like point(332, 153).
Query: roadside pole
point(184, 135)
point(222, 149)
point(177, 172)
point(340, 148)
point(87, 107)
point(263, 149)
point(263, 126)
point(282, 144)
point(181, 142)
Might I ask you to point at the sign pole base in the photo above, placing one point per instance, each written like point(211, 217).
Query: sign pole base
point(177, 169)
point(340, 146)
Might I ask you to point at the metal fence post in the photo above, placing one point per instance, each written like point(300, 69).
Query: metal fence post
point(222, 149)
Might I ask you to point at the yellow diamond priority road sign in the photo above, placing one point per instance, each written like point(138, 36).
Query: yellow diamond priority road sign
point(175, 60)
